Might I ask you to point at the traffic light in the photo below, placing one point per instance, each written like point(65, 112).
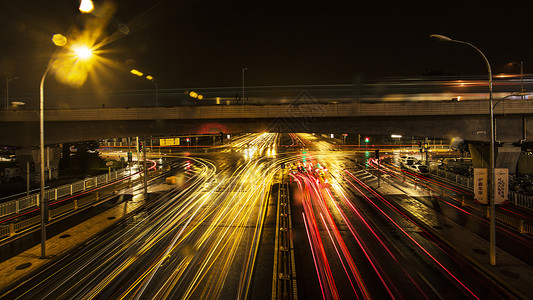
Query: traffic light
point(367, 139)
point(141, 146)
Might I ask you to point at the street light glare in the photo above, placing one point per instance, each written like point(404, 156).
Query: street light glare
point(82, 52)
point(59, 40)
point(86, 6)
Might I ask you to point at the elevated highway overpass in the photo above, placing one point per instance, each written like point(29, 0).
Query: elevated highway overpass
point(468, 119)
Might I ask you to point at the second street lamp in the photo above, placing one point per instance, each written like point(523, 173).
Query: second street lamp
point(148, 77)
point(152, 79)
point(521, 65)
point(7, 90)
point(492, 208)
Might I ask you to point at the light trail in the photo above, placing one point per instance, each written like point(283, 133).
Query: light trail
point(407, 235)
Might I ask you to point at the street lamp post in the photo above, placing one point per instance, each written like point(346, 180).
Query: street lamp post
point(152, 79)
point(492, 209)
point(243, 70)
point(7, 90)
point(149, 77)
point(521, 65)
point(155, 84)
point(42, 200)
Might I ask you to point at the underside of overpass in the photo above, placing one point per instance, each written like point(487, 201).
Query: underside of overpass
point(473, 129)
point(470, 128)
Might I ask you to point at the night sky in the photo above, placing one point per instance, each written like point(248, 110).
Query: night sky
point(207, 43)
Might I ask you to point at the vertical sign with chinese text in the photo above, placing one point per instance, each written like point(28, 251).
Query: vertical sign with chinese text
point(480, 185)
point(502, 186)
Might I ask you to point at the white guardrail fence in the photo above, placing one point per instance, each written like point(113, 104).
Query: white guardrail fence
point(23, 203)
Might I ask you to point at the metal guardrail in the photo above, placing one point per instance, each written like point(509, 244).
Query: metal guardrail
point(4, 231)
point(464, 181)
point(15, 228)
point(521, 199)
point(15, 206)
point(26, 223)
point(516, 199)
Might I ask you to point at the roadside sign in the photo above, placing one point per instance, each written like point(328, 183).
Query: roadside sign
point(480, 185)
point(502, 186)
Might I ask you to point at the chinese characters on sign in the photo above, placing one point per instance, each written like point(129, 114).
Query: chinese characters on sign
point(480, 185)
point(169, 142)
point(502, 186)
point(501, 190)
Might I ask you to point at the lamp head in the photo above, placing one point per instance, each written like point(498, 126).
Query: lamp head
point(440, 37)
point(82, 52)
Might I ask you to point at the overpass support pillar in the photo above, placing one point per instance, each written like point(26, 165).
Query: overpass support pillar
point(506, 156)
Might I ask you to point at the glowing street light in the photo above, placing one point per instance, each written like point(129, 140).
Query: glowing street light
point(81, 52)
point(86, 6)
point(492, 208)
point(137, 72)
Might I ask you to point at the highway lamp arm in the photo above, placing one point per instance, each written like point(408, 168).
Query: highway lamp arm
point(492, 208)
point(155, 85)
point(489, 70)
point(521, 65)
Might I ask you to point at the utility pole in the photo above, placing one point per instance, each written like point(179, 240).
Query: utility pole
point(243, 70)
point(7, 90)
point(377, 161)
point(145, 172)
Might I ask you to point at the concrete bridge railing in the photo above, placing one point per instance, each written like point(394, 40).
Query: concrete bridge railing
point(316, 110)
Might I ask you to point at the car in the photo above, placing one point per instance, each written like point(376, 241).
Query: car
point(406, 161)
point(419, 169)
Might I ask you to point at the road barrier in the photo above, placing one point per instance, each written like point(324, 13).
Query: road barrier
point(284, 279)
point(464, 181)
point(520, 199)
point(18, 205)
point(516, 199)
point(11, 229)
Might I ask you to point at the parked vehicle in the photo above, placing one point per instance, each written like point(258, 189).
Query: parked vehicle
point(461, 166)
point(406, 161)
point(419, 169)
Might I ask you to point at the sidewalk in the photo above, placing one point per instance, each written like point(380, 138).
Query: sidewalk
point(512, 273)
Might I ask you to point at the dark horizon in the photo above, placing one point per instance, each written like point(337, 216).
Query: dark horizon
point(207, 43)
